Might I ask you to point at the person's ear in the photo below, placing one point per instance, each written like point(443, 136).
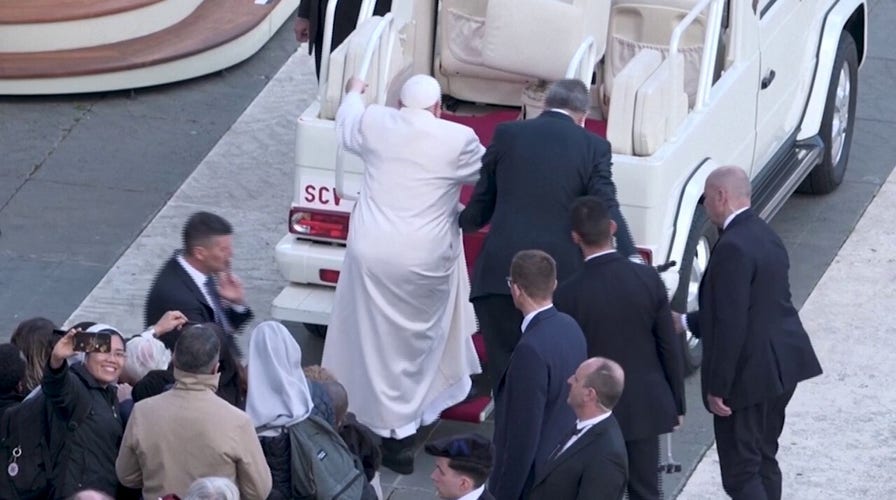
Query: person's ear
point(576, 238)
point(613, 227)
point(217, 368)
point(554, 288)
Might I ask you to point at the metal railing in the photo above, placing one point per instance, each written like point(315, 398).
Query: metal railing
point(583, 60)
point(384, 26)
point(710, 45)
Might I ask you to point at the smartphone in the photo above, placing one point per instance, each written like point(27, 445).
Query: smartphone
point(93, 342)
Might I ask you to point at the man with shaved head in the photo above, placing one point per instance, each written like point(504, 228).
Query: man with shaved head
point(755, 349)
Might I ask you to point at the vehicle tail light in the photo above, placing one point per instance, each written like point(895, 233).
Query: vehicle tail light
point(646, 254)
point(328, 275)
point(318, 224)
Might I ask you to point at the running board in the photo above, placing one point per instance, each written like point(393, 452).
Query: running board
point(786, 175)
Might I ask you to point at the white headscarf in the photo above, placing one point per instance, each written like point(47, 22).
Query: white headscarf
point(420, 92)
point(278, 392)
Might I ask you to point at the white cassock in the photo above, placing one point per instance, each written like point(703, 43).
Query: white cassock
point(399, 338)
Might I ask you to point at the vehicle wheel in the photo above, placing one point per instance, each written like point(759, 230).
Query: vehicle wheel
point(837, 121)
point(702, 238)
point(319, 331)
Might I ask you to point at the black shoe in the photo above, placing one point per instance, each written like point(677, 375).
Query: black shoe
point(398, 454)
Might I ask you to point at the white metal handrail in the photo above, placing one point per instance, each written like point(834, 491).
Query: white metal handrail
point(587, 52)
point(366, 11)
point(324, 77)
point(710, 45)
point(384, 26)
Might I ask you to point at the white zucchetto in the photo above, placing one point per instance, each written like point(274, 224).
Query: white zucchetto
point(420, 92)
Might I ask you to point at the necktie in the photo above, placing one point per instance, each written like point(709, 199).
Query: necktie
point(569, 435)
point(211, 287)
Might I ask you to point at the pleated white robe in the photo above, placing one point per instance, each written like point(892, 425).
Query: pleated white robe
point(399, 338)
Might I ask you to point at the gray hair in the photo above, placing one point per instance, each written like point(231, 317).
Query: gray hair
point(212, 488)
point(144, 355)
point(197, 349)
point(570, 95)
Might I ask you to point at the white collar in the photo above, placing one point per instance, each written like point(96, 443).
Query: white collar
point(197, 276)
point(598, 254)
point(473, 495)
point(532, 314)
point(731, 217)
point(584, 424)
point(558, 110)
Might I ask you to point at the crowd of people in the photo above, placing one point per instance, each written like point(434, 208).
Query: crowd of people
point(585, 375)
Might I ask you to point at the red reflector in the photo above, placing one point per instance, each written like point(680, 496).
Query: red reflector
point(318, 224)
point(328, 275)
point(646, 254)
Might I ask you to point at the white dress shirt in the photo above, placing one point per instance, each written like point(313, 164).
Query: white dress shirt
point(532, 314)
point(473, 495)
point(583, 426)
point(198, 277)
point(598, 254)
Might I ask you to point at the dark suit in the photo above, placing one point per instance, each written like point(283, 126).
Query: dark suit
point(594, 467)
point(174, 290)
point(624, 311)
point(755, 351)
point(346, 17)
point(486, 495)
point(531, 412)
point(531, 173)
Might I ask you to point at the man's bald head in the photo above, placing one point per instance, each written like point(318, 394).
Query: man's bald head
point(726, 191)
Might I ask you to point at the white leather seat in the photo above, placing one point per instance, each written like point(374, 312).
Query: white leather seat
point(636, 25)
point(661, 104)
point(621, 117)
point(491, 49)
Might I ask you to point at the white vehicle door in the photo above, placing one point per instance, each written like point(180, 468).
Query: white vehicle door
point(783, 31)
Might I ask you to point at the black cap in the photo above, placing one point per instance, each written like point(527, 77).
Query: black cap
point(471, 449)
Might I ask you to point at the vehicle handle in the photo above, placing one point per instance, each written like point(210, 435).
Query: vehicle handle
point(767, 80)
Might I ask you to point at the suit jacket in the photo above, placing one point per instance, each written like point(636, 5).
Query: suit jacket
point(754, 344)
point(624, 311)
point(486, 495)
point(531, 413)
point(594, 467)
point(343, 23)
point(174, 290)
point(531, 173)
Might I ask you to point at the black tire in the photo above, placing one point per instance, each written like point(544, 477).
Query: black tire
point(319, 331)
point(828, 174)
point(702, 237)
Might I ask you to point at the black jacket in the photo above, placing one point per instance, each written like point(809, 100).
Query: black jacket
point(83, 453)
point(8, 400)
point(754, 344)
point(276, 453)
point(624, 312)
point(532, 172)
point(531, 413)
point(594, 467)
point(174, 290)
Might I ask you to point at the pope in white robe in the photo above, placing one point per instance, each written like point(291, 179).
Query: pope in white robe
point(399, 338)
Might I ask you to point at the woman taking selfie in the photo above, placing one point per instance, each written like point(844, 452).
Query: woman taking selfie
point(85, 427)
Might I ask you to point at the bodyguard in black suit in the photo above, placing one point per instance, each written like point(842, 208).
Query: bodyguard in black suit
point(197, 280)
point(531, 414)
point(755, 349)
point(590, 464)
point(531, 173)
point(624, 311)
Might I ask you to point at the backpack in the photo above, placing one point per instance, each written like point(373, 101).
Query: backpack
point(322, 464)
point(25, 448)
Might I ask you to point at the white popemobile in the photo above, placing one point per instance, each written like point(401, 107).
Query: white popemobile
point(682, 86)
